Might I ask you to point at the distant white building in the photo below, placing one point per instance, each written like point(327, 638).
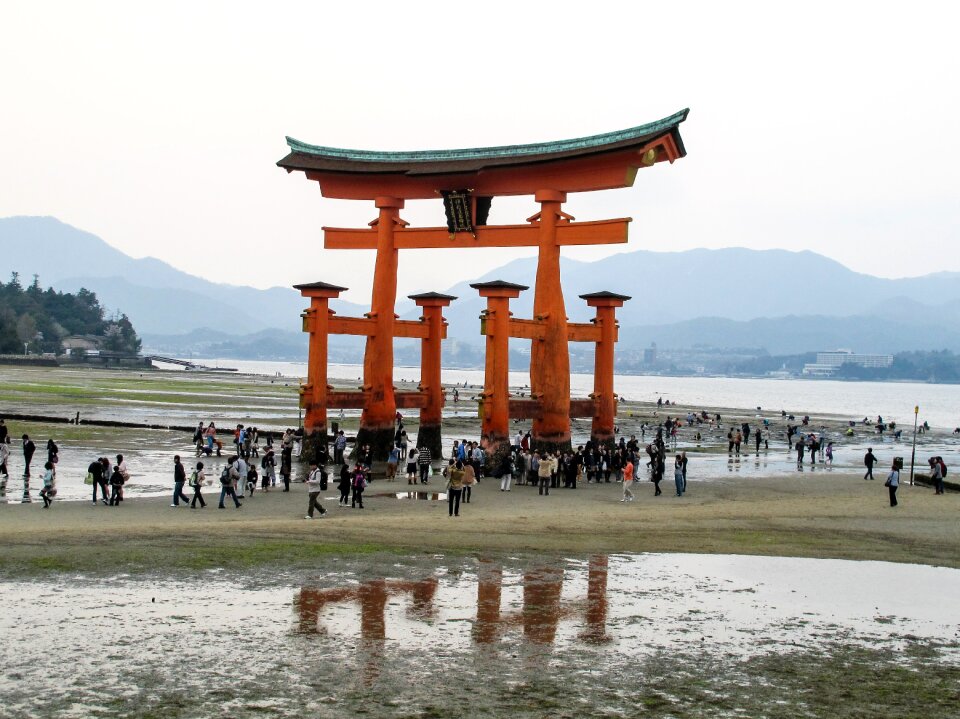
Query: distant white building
point(829, 362)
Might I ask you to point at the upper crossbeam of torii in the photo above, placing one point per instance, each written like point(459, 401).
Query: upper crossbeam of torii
point(468, 180)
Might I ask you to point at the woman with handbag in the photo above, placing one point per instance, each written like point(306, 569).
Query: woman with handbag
point(893, 481)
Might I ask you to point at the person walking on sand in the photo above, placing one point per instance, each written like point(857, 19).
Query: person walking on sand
point(344, 484)
point(49, 490)
point(830, 453)
point(892, 483)
point(423, 462)
point(392, 461)
point(116, 486)
point(545, 471)
point(359, 484)
point(936, 475)
point(179, 479)
point(197, 478)
point(4, 456)
point(121, 467)
point(454, 472)
point(869, 460)
point(469, 479)
point(627, 481)
point(800, 446)
point(268, 469)
point(678, 475)
point(315, 485)
point(228, 479)
point(242, 472)
point(28, 449)
point(412, 466)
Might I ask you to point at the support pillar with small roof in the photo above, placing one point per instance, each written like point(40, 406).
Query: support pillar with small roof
point(431, 414)
point(605, 417)
point(495, 400)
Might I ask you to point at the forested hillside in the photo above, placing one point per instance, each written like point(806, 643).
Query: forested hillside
point(39, 320)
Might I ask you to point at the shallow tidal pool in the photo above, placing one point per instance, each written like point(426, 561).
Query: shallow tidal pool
point(434, 636)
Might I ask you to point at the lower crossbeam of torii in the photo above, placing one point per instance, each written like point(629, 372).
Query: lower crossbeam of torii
point(468, 180)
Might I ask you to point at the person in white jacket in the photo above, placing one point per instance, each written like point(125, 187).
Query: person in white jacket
point(315, 483)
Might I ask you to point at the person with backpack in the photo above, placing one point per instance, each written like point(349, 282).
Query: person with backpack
point(228, 477)
point(197, 478)
point(316, 483)
point(936, 474)
point(359, 484)
point(869, 459)
point(179, 479)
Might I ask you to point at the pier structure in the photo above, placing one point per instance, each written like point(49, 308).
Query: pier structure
point(467, 181)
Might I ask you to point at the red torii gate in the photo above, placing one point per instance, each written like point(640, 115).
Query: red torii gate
point(548, 171)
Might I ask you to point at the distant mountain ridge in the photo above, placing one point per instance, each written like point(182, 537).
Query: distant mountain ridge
point(778, 300)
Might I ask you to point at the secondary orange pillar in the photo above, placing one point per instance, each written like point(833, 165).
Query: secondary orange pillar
point(495, 401)
point(316, 321)
point(431, 416)
point(605, 416)
point(550, 357)
point(380, 405)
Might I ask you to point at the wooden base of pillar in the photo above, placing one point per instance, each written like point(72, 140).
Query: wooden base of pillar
point(429, 435)
point(551, 443)
point(495, 448)
point(603, 439)
point(380, 440)
point(315, 447)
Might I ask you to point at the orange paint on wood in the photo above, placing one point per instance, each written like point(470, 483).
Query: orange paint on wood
point(601, 232)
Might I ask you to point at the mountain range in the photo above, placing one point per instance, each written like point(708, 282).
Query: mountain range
point(774, 300)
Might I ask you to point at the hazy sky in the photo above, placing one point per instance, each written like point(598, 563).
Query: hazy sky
point(157, 125)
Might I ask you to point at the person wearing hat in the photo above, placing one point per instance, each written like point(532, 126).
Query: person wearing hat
point(315, 483)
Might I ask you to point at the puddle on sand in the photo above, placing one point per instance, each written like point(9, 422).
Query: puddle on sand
point(416, 496)
point(391, 636)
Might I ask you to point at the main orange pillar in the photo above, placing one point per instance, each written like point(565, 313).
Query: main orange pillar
point(605, 416)
point(313, 396)
point(550, 357)
point(431, 416)
point(380, 405)
point(495, 402)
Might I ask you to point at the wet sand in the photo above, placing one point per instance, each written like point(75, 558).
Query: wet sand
point(755, 506)
point(837, 515)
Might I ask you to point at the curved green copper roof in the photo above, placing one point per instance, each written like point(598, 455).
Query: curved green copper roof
point(317, 157)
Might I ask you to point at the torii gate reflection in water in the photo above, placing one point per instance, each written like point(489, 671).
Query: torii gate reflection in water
point(539, 617)
point(548, 171)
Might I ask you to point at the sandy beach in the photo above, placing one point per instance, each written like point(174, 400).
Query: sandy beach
point(815, 515)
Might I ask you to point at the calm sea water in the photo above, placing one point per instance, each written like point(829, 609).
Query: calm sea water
point(939, 403)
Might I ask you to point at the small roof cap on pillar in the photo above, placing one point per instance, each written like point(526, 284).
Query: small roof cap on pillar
point(431, 296)
point(319, 289)
point(605, 297)
point(497, 285)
